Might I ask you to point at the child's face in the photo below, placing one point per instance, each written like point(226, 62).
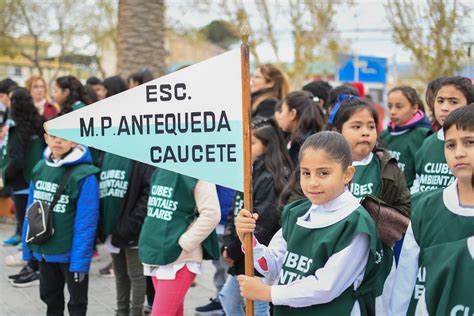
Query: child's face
point(459, 152)
point(58, 146)
point(258, 148)
point(400, 108)
point(361, 133)
point(321, 178)
point(447, 100)
point(60, 95)
point(5, 99)
point(287, 119)
point(101, 92)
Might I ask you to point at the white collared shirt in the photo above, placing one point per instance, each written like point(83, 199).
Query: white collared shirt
point(343, 269)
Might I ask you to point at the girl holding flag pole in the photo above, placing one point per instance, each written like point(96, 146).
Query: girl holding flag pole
point(327, 259)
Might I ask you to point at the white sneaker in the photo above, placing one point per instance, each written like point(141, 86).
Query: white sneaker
point(14, 260)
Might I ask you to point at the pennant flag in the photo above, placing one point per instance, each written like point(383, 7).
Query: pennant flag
point(189, 122)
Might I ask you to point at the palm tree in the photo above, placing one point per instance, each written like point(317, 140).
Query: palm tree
point(141, 36)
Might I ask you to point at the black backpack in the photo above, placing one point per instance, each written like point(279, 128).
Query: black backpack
point(40, 215)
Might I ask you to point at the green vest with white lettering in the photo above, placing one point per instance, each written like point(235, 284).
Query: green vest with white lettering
point(431, 165)
point(403, 147)
point(238, 202)
point(114, 179)
point(171, 209)
point(433, 224)
point(367, 179)
point(46, 181)
point(449, 279)
point(308, 249)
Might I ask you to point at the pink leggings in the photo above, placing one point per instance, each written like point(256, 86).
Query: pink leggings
point(169, 294)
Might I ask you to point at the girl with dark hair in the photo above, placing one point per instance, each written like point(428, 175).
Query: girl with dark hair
point(114, 85)
point(430, 96)
point(435, 274)
point(327, 258)
point(25, 148)
point(345, 88)
point(271, 168)
point(407, 129)
point(69, 93)
point(301, 117)
point(139, 77)
point(377, 173)
point(432, 171)
point(268, 86)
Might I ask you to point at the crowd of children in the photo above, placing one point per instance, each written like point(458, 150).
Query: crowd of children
point(349, 217)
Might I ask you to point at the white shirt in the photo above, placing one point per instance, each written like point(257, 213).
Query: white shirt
point(343, 269)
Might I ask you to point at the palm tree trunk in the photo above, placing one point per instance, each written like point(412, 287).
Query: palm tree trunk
point(141, 37)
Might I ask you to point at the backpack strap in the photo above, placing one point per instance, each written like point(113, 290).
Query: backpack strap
point(61, 187)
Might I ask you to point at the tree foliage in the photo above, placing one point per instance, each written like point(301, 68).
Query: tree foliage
point(28, 26)
point(220, 33)
point(432, 31)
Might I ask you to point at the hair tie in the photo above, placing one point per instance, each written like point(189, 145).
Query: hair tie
point(340, 99)
point(316, 99)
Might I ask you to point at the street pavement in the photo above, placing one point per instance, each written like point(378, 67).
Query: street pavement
point(26, 301)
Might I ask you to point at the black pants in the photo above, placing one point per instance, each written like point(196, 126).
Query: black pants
point(52, 279)
point(20, 201)
point(150, 291)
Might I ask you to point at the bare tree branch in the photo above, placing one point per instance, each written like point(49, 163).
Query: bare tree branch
point(430, 31)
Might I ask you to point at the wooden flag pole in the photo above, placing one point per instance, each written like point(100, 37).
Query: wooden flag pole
point(246, 121)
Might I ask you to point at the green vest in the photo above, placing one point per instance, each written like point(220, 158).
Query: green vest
point(77, 105)
point(113, 183)
point(4, 157)
point(46, 181)
point(34, 153)
point(308, 250)
point(171, 209)
point(449, 279)
point(367, 179)
point(238, 202)
point(403, 147)
point(97, 156)
point(433, 224)
point(431, 165)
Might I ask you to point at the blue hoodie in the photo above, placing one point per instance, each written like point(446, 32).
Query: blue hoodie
point(87, 215)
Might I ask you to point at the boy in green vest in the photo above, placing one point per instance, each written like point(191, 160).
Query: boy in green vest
point(448, 287)
point(439, 217)
point(66, 256)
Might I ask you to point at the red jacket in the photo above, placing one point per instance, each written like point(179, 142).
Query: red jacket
point(49, 111)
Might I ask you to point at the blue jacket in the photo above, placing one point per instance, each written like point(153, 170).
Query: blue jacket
point(85, 223)
point(226, 201)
